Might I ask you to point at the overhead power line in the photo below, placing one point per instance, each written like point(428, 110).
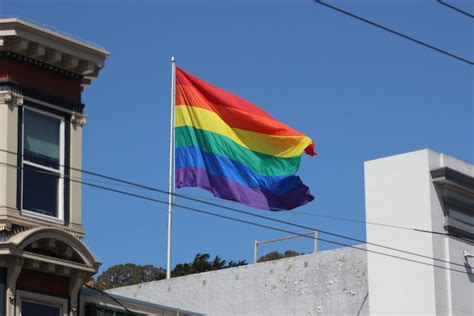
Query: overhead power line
point(280, 230)
point(193, 209)
point(220, 205)
point(332, 217)
point(261, 216)
point(414, 40)
point(194, 199)
point(128, 311)
point(125, 183)
point(455, 8)
point(117, 181)
point(297, 212)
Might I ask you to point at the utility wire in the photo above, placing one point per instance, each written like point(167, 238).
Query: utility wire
point(277, 229)
point(276, 220)
point(129, 312)
point(201, 200)
point(465, 238)
point(345, 219)
point(193, 209)
point(338, 218)
point(125, 183)
point(297, 212)
point(265, 217)
point(439, 50)
point(455, 8)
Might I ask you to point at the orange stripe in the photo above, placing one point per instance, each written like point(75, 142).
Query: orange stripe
point(234, 117)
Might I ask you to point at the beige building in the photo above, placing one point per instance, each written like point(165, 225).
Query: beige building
point(43, 259)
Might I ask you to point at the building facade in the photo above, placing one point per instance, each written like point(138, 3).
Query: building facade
point(428, 191)
point(44, 262)
point(332, 282)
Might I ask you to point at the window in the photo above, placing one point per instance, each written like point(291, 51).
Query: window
point(38, 309)
point(35, 304)
point(43, 165)
point(97, 310)
point(456, 193)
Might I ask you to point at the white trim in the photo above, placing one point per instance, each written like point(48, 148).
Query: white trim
point(42, 167)
point(42, 299)
point(60, 194)
point(50, 33)
point(42, 216)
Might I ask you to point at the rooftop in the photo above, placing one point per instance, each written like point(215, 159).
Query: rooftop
point(51, 47)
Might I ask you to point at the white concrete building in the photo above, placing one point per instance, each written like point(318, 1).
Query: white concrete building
point(330, 283)
point(420, 190)
point(429, 191)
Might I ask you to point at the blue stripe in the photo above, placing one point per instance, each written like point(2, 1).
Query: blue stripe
point(187, 157)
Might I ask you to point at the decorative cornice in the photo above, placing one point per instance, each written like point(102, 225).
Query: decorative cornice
point(52, 48)
point(28, 92)
point(78, 119)
point(10, 99)
point(8, 55)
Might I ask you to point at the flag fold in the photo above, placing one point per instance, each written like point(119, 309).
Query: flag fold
point(234, 149)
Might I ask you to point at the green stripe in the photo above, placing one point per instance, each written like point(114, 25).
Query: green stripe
point(266, 165)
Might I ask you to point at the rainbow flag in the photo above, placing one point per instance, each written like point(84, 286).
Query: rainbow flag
point(234, 149)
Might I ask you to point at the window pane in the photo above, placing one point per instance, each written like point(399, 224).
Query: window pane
point(461, 216)
point(36, 309)
point(41, 139)
point(40, 191)
point(96, 310)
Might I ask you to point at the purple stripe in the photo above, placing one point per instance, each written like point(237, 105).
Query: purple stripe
point(230, 190)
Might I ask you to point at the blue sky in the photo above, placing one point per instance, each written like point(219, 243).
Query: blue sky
point(359, 92)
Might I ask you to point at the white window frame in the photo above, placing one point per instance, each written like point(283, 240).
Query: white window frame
point(42, 299)
point(60, 171)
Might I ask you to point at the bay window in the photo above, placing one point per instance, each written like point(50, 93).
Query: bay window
point(43, 165)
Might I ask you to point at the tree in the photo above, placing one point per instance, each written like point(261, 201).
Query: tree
point(274, 255)
point(128, 274)
point(201, 263)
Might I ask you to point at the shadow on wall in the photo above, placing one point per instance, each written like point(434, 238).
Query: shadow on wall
point(470, 272)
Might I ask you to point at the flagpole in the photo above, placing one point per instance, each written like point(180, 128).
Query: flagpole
point(171, 166)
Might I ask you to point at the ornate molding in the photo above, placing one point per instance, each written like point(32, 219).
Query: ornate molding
point(78, 119)
point(14, 269)
point(38, 64)
point(75, 284)
point(10, 99)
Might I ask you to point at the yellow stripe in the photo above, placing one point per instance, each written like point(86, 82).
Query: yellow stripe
point(279, 146)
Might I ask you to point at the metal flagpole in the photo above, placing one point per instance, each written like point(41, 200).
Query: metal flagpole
point(171, 166)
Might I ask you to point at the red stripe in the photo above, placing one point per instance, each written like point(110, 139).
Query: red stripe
point(235, 111)
point(217, 95)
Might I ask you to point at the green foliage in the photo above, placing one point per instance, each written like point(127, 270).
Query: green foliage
point(201, 263)
point(129, 274)
point(274, 255)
